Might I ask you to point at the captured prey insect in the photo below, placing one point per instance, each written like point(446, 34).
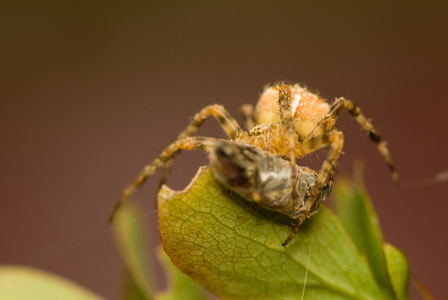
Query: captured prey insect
point(264, 178)
point(289, 121)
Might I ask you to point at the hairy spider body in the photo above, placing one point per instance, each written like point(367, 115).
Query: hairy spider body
point(289, 121)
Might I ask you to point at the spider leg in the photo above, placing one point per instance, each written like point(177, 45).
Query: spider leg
point(190, 143)
point(335, 140)
point(284, 102)
point(340, 105)
point(247, 112)
point(225, 119)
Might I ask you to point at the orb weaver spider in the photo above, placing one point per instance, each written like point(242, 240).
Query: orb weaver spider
point(288, 121)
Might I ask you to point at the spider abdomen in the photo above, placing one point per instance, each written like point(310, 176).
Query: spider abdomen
point(307, 109)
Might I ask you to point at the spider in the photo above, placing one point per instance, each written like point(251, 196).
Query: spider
point(289, 121)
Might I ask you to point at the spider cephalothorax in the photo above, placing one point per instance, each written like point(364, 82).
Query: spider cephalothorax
point(288, 121)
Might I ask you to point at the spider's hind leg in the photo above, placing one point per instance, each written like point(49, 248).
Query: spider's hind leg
point(335, 140)
point(324, 182)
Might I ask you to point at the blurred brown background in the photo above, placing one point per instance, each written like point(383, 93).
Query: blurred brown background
point(90, 92)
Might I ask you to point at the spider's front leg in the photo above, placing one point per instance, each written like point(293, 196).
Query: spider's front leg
point(225, 119)
point(340, 104)
point(327, 124)
point(190, 143)
point(335, 140)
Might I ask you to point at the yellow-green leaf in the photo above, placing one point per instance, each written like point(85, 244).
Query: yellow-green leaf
point(132, 242)
point(233, 248)
point(131, 290)
point(131, 236)
point(356, 212)
point(180, 286)
point(398, 268)
point(18, 282)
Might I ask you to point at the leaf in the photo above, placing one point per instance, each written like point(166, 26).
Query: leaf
point(356, 212)
point(130, 234)
point(398, 268)
point(18, 282)
point(180, 286)
point(233, 248)
point(131, 290)
point(131, 239)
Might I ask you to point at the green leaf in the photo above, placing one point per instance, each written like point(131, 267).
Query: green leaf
point(233, 248)
point(131, 240)
point(32, 284)
point(180, 286)
point(398, 268)
point(356, 212)
point(131, 290)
